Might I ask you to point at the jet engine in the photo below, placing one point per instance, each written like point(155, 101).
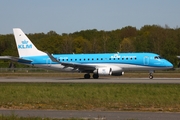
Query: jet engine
point(103, 71)
point(114, 70)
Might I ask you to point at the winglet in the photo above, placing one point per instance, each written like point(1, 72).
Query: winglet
point(52, 58)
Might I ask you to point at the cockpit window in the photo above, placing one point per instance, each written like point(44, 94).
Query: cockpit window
point(158, 57)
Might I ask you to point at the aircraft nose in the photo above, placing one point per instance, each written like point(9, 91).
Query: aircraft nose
point(169, 64)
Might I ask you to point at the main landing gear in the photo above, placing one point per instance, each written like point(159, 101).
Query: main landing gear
point(87, 76)
point(151, 74)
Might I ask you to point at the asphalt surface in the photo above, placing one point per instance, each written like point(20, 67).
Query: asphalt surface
point(96, 115)
point(101, 80)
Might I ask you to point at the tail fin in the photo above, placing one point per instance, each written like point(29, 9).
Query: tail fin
point(24, 45)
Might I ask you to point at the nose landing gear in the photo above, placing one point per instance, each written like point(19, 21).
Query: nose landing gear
point(151, 74)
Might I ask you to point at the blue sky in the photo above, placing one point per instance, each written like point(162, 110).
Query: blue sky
point(68, 16)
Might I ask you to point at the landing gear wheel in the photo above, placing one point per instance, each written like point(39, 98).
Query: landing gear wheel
point(150, 76)
point(87, 76)
point(95, 76)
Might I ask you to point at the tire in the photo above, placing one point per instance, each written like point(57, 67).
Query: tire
point(95, 76)
point(150, 77)
point(87, 76)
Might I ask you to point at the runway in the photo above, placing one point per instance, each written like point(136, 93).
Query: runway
point(101, 80)
point(95, 115)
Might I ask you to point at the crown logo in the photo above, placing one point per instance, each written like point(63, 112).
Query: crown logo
point(24, 42)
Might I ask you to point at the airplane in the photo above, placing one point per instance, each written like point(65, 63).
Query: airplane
point(114, 64)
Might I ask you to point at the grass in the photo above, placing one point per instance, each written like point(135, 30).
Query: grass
point(15, 117)
point(116, 97)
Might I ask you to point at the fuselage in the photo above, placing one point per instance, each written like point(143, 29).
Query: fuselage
point(126, 61)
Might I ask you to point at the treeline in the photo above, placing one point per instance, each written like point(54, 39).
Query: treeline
point(150, 38)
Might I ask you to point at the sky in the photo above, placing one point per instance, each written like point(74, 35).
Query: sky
point(69, 16)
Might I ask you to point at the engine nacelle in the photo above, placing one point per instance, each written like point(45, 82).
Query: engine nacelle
point(114, 70)
point(103, 71)
point(117, 73)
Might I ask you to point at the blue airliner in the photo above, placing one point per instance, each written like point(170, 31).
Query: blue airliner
point(97, 64)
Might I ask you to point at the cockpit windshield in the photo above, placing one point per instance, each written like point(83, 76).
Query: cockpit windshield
point(158, 57)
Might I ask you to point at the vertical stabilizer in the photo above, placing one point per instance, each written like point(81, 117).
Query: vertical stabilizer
point(24, 45)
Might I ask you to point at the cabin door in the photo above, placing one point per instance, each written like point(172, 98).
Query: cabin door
point(146, 60)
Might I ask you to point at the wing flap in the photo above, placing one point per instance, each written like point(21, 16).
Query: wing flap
point(78, 66)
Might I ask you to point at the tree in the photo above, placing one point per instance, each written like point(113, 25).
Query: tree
point(128, 31)
point(51, 43)
point(66, 46)
point(149, 38)
point(81, 45)
point(127, 45)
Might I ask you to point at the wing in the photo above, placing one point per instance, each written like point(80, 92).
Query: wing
point(16, 59)
point(80, 67)
point(76, 66)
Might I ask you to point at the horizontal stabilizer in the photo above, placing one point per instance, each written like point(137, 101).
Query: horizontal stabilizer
point(15, 59)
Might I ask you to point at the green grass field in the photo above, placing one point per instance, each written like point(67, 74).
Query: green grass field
point(115, 97)
point(15, 117)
